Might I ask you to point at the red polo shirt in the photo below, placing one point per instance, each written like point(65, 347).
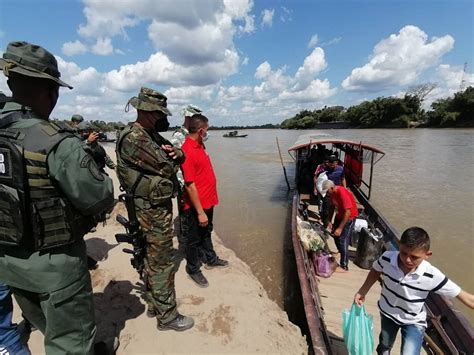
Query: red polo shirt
point(343, 199)
point(197, 168)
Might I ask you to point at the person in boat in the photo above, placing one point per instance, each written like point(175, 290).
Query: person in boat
point(407, 281)
point(199, 200)
point(146, 167)
point(346, 211)
point(335, 173)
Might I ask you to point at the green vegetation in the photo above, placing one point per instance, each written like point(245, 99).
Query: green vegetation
point(388, 112)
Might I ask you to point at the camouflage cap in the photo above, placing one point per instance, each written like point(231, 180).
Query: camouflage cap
point(149, 100)
point(77, 118)
point(31, 60)
point(191, 110)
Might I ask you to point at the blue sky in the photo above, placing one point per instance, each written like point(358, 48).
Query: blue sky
point(242, 61)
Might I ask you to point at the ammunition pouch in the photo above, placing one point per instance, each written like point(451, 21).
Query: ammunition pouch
point(160, 190)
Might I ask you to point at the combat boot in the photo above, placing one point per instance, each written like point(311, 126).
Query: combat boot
point(180, 323)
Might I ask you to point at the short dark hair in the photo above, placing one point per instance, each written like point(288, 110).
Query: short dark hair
point(416, 238)
point(196, 122)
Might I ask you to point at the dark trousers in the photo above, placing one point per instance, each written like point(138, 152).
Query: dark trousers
point(199, 246)
point(343, 241)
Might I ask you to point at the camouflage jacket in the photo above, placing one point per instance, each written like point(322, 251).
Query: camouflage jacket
point(140, 156)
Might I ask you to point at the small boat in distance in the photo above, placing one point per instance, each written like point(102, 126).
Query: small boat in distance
point(234, 134)
point(448, 332)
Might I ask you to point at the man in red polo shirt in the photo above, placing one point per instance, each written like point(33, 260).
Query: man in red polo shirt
point(346, 212)
point(199, 201)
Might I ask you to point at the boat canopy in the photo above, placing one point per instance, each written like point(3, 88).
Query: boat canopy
point(305, 144)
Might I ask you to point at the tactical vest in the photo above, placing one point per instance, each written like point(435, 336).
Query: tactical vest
point(148, 190)
point(33, 213)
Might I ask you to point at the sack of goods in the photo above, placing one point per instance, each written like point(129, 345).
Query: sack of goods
point(369, 248)
point(310, 240)
point(324, 263)
point(358, 331)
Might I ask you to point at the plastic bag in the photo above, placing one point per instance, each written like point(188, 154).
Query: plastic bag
point(319, 182)
point(358, 331)
point(324, 263)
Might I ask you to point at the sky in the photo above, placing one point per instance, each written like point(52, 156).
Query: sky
point(244, 62)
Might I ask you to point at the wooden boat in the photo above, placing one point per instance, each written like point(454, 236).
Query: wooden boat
point(448, 332)
point(234, 134)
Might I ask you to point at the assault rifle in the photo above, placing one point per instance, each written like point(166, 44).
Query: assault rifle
point(134, 234)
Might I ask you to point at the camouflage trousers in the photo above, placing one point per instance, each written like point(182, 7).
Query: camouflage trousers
point(159, 266)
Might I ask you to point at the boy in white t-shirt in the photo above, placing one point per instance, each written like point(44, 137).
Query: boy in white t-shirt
point(407, 280)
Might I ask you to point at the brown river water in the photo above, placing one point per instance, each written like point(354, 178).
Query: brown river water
point(426, 179)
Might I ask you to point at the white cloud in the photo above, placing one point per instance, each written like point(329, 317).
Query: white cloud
point(73, 48)
point(263, 70)
point(332, 41)
point(245, 61)
point(286, 15)
point(448, 79)
point(103, 46)
point(267, 17)
point(313, 65)
point(313, 41)
point(399, 60)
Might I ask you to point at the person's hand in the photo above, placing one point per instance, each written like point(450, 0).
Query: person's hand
point(359, 299)
point(170, 150)
point(92, 137)
point(329, 227)
point(202, 219)
point(337, 232)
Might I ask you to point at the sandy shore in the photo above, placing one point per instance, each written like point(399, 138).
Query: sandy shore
point(233, 315)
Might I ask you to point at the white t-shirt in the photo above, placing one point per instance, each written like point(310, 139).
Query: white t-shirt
point(403, 296)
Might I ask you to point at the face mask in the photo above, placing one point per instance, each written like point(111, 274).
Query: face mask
point(162, 125)
point(205, 137)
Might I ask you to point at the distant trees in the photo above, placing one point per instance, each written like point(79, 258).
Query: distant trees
point(457, 111)
point(393, 112)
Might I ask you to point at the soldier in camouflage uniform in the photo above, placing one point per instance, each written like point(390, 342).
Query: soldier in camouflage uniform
point(146, 167)
point(51, 194)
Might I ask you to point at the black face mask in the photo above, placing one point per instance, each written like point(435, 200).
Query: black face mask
point(162, 125)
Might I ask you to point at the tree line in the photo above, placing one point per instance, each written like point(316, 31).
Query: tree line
point(394, 112)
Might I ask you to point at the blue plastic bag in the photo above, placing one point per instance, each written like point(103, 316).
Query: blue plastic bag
point(358, 331)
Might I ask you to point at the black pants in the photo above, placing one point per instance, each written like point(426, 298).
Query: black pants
point(199, 246)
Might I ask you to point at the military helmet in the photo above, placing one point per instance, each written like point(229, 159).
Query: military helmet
point(84, 126)
point(149, 100)
point(191, 110)
point(31, 60)
point(77, 118)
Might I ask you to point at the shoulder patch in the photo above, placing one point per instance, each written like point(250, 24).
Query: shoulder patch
point(5, 164)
